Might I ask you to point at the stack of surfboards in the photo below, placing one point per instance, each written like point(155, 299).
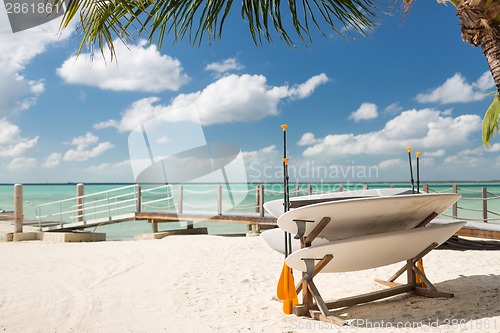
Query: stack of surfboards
point(368, 228)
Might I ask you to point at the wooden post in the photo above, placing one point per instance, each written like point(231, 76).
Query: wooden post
point(138, 195)
point(18, 208)
point(410, 273)
point(79, 202)
point(261, 201)
point(154, 225)
point(485, 205)
point(455, 205)
point(181, 199)
point(257, 203)
point(426, 188)
point(309, 189)
point(219, 199)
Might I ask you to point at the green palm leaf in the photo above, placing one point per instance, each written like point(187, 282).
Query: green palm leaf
point(491, 121)
point(204, 19)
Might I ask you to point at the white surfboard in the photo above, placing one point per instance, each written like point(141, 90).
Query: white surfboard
point(367, 216)
point(275, 207)
point(374, 250)
point(275, 238)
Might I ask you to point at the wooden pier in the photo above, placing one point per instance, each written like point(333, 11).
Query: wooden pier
point(165, 204)
point(255, 222)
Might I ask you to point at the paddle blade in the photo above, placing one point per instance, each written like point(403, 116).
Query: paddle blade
point(291, 298)
point(292, 291)
point(420, 265)
point(280, 288)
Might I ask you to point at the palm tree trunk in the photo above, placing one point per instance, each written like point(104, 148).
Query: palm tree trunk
point(491, 50)
point(481, 27)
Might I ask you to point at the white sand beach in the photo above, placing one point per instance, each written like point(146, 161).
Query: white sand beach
point(220, 284)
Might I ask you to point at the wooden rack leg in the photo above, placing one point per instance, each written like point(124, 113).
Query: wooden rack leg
point(319, 300)
point(430, 290)
point(422, 276)
point(307, 282)
point(317, 268)
point(427, 220)
point(390, 282)
point(315, 232)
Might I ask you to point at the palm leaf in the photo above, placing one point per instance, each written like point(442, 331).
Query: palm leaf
point(491, 121)
point(103, 20)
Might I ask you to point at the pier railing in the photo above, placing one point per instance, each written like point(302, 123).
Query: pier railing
point(473, 206)
point(104, 205)
point(476, 204)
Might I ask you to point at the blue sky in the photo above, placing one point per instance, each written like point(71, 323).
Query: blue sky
point(352, 106)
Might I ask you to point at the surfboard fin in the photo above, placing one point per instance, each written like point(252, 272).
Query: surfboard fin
point(301, 228)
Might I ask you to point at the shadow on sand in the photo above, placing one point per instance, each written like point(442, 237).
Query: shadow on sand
point(476, 300)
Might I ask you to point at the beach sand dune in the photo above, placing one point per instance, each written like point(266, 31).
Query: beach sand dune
point(220, 284)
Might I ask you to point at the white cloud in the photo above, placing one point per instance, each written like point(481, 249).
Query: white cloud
point(110, 168)
point(230, 64)
point(18, 50)
point(394, 163)
point(422, 129)
point(467, 163)
point(471, 162)
point(307, 139)
point(52, 161)
point(366, 111)
point(230, 99)
point(87, 146)
point(12, 144)
point(457, 90)
point(163, 139)
point(493, 148)
point(307, 88)
point(485, 82)
point(436, 153)
point(22, 164)
point(106, 124)
point(139, 68)
point(480, 151)
point(393, 109)
point(264, 165)
point(258, 155)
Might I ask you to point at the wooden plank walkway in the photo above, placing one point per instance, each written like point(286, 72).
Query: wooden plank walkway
point(479, 233)
point(475, 229)
point(160, 217)
point(244, 218)
point(90, 223)
point(6, 216)
point(255, 220)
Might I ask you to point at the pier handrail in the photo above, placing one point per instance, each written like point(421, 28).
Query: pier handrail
point(126, 199)
point(111, 205)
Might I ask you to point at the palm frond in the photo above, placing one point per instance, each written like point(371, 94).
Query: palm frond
point(491, 121)
point(335, 15)
point(198, 20)
point(102, 21)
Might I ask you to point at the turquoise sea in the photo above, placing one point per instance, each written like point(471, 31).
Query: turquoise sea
point(237, 198)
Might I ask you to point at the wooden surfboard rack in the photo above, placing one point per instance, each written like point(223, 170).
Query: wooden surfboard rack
point(315, 307)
